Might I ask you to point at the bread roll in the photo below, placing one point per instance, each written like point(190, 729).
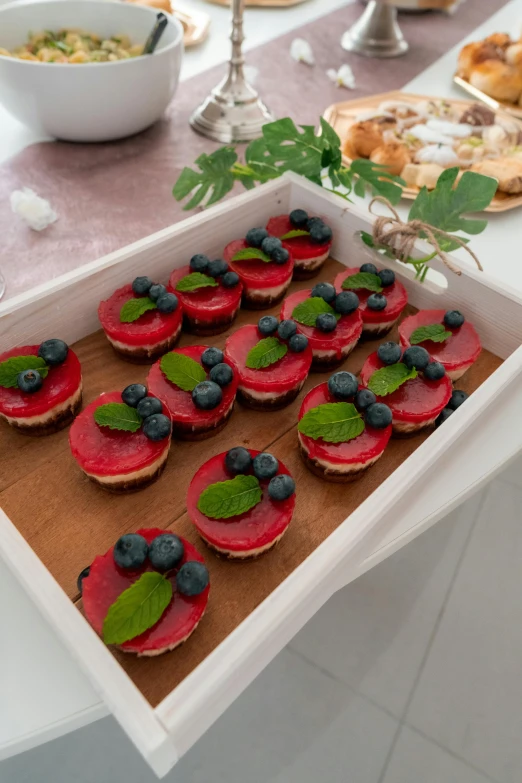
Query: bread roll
point(363, 138)
point(473, 54)
point(393, 155)
point(514, 54)
point(501, 40)
point(497, 79)
point(507, 171)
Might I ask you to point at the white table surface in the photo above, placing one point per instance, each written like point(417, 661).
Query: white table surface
point(44, 694)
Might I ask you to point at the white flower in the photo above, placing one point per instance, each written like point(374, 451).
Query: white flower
point(35, 211)
point(343, 77)
point(301, 51)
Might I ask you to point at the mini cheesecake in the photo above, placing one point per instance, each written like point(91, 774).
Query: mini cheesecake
point(55, 397)
point(273, 386)
point(140, 340)
point(457, 352)
point(265, 282)
point(310, 248)
point(211, 308)
point(189, 420)
point(117, 460)
point(376, 322)
point(106, 581)
point(248, 534)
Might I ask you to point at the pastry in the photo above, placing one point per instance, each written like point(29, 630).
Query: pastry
point(508, 172)
point(474, 54)
point(393, 155)
point(382, 297)
point(363, 138)
point(308, 240)
point(497, 79)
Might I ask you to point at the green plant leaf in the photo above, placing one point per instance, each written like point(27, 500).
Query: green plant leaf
point(261, 163)
point(135, 308)
point(195, 280)
point(295, 232)
point(388, 379)
point(11, 368)
point(333, 422)
point(266, 352)
point(296, 149)
point(377, 179)
point(214, 177)
point(249, 253)
point(435, 332)
point(306, 312)
point(229, 498)
point(118, 416)
point(138, 608)
point(182, 371)
point(365, 280)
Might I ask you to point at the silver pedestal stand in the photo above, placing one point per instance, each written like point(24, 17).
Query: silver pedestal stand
point(376, 33)
point(233, 111)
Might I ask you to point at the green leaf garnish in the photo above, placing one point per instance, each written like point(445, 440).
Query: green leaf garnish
point(306, 312)
point(250, 253)
point(295, 232)
point(195, 280)
point(377, 179)
point(10, 369)
point(134, 309)
point(333, 422)
point(138, 608)
point(435, 332)
point(118, 416)
point(182, 371)
point(388, 379)
point(365, 280)
point(266, 352)
point(214, 178)
point(229, 498)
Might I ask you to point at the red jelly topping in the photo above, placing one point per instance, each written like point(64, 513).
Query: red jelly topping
point(301, 248)
point(61, 383)
point(365, 447)
point(105, 452)
point(243, 533)
point(347, 331)
point(416, 400)
point(206, 303)
point(150, 328)
point(396, 296)
point(106, 581)
point(255, 273)
point(280, 377)
point(463, 347)
point(179, 402)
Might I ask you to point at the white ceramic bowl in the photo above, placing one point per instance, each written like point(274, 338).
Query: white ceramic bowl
point(91, 101)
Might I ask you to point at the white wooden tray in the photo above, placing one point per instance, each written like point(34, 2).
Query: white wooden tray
point(163, 734)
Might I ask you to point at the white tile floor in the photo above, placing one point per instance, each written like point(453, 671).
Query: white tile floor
point(409, 675)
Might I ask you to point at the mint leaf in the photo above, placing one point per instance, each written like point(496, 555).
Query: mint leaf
point(215, 176)
point(365, 280)
point(267, 351)
point(182, 371)
point(118, 416)
point(134, 309)
point(333, 422)
point(295, 232)
point(306, 312)
point(194, 281)
point(377, 179)
point(229, 498)
point(249, 253)
point(10, 369)
point(138, 608)
point(388, 379)
point(435, 332)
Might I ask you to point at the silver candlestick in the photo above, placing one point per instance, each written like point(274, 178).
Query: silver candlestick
point(233, 111)
point(376, 33)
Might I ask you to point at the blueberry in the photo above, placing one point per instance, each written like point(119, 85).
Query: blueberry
point(387, 277)
point(364, 398)
point(457, 398)
point(212, 356)
point(376, 302)
point(370, 268)
point(192, 578)
point(199, 263)
point(298, 343)
point(267, 325)
point(416, 356)
point(130, 551)
point(389, 353)
point(346, 303)
point(167, 303)
point(453, 318)
point(298, 218)
point(320, 233)
point(238, 460)
point(166, 551)
point(29, 381)
point(207, 395)
point(156, 291)
point(280, 255)
point(230, 279)
point(265, 466)
point(269, 244)
point(325, 291)
point(287, 329)
point(217, 267)
point(141, 285)
point(53, 352)
point(378, 415)
point(222, 374)
point(157, 426)
point(434, 371)
point(148, 406)
point(342, 385)
point(132, 394)
point(255, 236)
point(443, 415)
point(81, 576)
point(326, 322)
point(281, 487)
